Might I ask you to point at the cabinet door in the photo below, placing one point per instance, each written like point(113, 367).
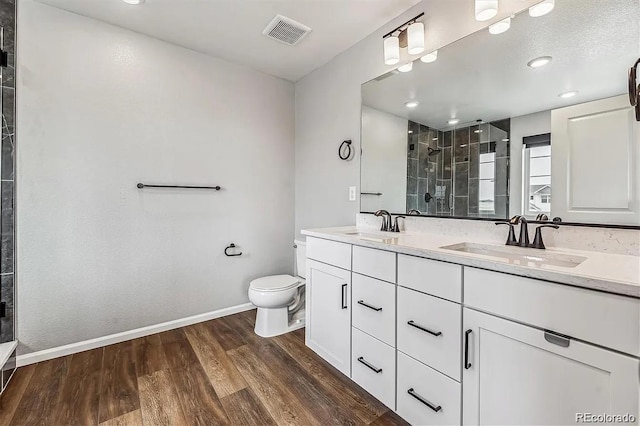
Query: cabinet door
point(514, 374)
point(328, 314)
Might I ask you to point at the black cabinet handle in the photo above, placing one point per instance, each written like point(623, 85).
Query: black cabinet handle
point(434, 333)
point(361, 302)
point(344, 296)
point(424, 401)
point(374, 368)
point(467, 364)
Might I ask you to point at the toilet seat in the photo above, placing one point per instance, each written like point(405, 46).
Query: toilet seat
point(275, 283)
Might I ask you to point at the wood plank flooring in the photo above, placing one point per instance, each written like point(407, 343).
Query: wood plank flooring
point(214, 373)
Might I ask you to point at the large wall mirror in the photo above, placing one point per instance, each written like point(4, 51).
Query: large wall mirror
point(535, 120)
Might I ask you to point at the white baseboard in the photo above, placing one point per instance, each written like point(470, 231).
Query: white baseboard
point(33, 357)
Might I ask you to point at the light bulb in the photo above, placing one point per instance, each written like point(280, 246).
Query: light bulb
point(486, 9)
point(415, 37)
point(500, 26)
point(391, 50)
point(430, 57)
point(542, 8)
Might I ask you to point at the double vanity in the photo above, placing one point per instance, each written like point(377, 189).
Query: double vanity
point(444, 331)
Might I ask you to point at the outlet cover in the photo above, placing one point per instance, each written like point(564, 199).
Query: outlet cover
point(352, 193)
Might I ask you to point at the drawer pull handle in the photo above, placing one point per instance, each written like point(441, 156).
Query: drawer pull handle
point(344, 296)
point(372, 367)
point(424, 401)
point(557, 339)
point(434, 333)
point(467, 364)
point(361, 302)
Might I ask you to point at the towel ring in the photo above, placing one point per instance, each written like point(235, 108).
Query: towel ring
point(231, 246)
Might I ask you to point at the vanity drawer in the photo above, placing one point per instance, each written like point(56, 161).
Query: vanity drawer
point(421, 390)
point(374, 307)
point(431, 276)
point(429, 330)
point(605, 319)
point(375, 263)
point(374, 367)
point(331, 252)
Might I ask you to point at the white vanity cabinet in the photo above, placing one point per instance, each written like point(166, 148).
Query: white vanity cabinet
point(328, 302)
point(446, 344)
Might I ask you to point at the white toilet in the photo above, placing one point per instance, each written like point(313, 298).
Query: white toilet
point(280, 299)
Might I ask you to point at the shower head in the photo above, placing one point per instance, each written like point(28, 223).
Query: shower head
point(431, 151)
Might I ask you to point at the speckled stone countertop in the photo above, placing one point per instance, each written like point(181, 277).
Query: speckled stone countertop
point(612, 273)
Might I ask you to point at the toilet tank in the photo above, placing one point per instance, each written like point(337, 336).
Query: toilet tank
point(301, 258)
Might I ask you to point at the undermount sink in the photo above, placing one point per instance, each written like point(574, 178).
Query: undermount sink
point(519, 255)
point(372, 237)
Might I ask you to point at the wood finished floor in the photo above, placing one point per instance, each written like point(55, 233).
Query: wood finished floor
point(216, 372)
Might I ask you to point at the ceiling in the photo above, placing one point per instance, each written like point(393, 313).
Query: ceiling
point(232, 29)
point(485, 76)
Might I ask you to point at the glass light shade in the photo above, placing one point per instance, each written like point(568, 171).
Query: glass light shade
point(500, 26)
point(542, 8)
point(486, 9)
point(430, 57)
point(391, 50)
point(406, 67)
point(415, 37)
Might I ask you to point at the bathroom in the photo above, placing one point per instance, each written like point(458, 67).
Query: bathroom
point(280, 212)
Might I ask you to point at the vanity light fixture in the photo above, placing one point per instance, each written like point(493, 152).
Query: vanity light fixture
point(453, 121)
point(411, 104)
point(409, 35)
point(430, 57)
point(500, 26)
point(569, 94)
point(406, 67)
point(486, 9)
point(541, 8)
point(133, 1)
point(415, 38)
point(391, 50)
point(539, 62)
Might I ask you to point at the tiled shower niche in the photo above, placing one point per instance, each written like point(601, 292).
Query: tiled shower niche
point(462, 172)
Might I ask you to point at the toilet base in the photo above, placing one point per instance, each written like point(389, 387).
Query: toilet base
point(274, 322)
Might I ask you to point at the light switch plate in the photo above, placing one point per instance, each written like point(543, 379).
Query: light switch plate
point(352, 193)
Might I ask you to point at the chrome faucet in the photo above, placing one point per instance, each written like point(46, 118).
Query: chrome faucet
point(386, 220)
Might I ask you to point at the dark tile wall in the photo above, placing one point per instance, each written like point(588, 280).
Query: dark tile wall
point(449, 176)
point(7, 170)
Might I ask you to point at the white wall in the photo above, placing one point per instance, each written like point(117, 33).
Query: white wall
point(328, 109)
point(384, 161)
point(537, 123)
point(100, 109)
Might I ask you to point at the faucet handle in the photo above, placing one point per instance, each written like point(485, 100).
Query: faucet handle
point(511, 239)
point(396, 227)
point(537, 240)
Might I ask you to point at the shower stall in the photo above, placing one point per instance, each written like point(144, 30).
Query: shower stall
point(461, 172)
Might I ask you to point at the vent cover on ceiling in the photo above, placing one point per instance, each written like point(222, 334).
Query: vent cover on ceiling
point(286, 30)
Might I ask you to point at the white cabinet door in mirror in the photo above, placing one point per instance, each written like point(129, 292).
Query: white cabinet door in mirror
point(595, 155)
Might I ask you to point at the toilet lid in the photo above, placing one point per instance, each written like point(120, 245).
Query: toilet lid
point(275, 283)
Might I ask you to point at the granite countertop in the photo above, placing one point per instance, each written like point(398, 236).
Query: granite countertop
point(612, 273)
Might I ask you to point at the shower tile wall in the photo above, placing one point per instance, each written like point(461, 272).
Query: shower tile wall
point(7, 22)
point(451, 176)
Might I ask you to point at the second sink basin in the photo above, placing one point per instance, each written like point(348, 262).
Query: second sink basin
point(519, 255)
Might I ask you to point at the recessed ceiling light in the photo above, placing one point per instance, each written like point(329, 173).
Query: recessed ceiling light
point(500, 26)
point(453, 121)
point(542, 8)
point(566, 95)
point(539, 62)
point(411, 104)
point(430, 57)
point(406, 67)
point(133, 1)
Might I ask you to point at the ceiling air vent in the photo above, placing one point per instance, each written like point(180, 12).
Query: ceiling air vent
point(286, 30)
